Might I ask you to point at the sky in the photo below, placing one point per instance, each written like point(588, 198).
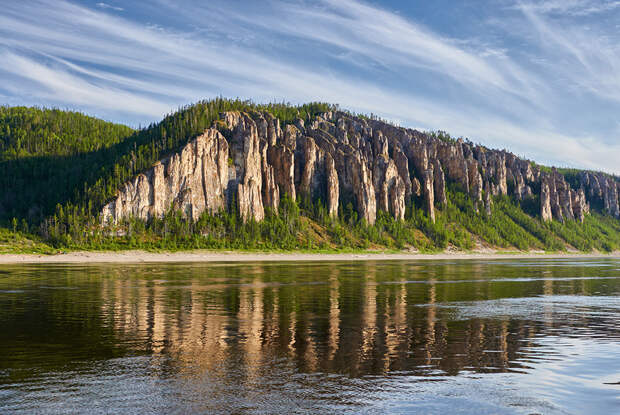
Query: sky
point(539, 78)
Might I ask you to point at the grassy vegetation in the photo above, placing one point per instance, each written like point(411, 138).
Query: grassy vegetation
point(14, 242)
point(306, 226)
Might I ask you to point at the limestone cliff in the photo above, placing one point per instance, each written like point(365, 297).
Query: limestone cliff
point(251, 160)
point(193, 180)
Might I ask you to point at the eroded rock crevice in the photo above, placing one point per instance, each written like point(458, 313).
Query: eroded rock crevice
point(254, 161)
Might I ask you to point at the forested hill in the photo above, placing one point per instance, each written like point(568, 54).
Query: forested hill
point(34, 132)
point(233, 174)
point(80, 162)
point(46, 155)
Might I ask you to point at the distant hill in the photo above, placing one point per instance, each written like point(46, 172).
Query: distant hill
point(46, 155)
point(234, 174)
point(34, 132)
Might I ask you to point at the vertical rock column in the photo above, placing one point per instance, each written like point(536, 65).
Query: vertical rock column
point(363, 189)
point(271, 193)
point(419, 156)
point(333, 187)
point(402, 164)
point(429, 193)
point(439, 183)
point(545, 200)
point(248, 165)
point(579, 204)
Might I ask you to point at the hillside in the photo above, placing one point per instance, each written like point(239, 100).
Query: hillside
point(45, 155)
point(233, 174)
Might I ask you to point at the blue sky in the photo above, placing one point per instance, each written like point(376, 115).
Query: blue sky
point(540, 78)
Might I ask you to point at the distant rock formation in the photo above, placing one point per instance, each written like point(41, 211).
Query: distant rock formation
point(193, 180)
point(254, 161)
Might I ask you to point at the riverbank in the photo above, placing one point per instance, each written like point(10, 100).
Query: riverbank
point(231, 256)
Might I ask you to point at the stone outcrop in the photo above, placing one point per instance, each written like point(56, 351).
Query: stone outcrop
point(253, 161)
point(475, 180)
point(579, 203)
point(488, 201)
point(602, 190)
point(389, 185)
point(439, 185)
point(402, 165)
point(545, 201)
point(271, 191)
point(564, 199)
point(246, 173)
point(364, 190)
point(397, 200)
point(429, 193)
point(194, 180)
point(333, 188)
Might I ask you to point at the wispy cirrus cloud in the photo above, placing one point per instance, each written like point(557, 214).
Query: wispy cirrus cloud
point(56, 84)
point(587, 60)
point(390, 39)
point(136, 67)
point(570, 7)
point(102, 5)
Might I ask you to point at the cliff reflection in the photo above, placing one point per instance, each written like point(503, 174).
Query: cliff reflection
point(357, 319)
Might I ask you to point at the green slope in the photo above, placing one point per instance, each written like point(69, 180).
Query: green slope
point(44, 156)
point(34, 132)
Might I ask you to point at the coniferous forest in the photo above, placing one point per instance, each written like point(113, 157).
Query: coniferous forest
point(59, 168)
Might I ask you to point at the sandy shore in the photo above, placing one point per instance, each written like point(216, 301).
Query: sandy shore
point(209, 256)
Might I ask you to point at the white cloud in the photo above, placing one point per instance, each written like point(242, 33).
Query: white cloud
point(61, 52)
point(571, 7)
point(393, 41)
point(53, 84)
point(108, 6)
point(587, 59)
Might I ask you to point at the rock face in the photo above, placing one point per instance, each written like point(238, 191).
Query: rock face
point(363, 189)
point(439, 183)
point(194, 180)
point(246, 174)
point(545, 201)
point(579, 203)
point(429, 193)
point(333, 188)
point(389, 186)
point(602, 190)
point(253, 161)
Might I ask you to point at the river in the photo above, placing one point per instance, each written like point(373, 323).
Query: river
point(535, 336)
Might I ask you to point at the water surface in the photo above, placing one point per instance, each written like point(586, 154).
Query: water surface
point(461, 337)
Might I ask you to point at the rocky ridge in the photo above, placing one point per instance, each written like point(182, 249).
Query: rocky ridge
point(252, 161)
